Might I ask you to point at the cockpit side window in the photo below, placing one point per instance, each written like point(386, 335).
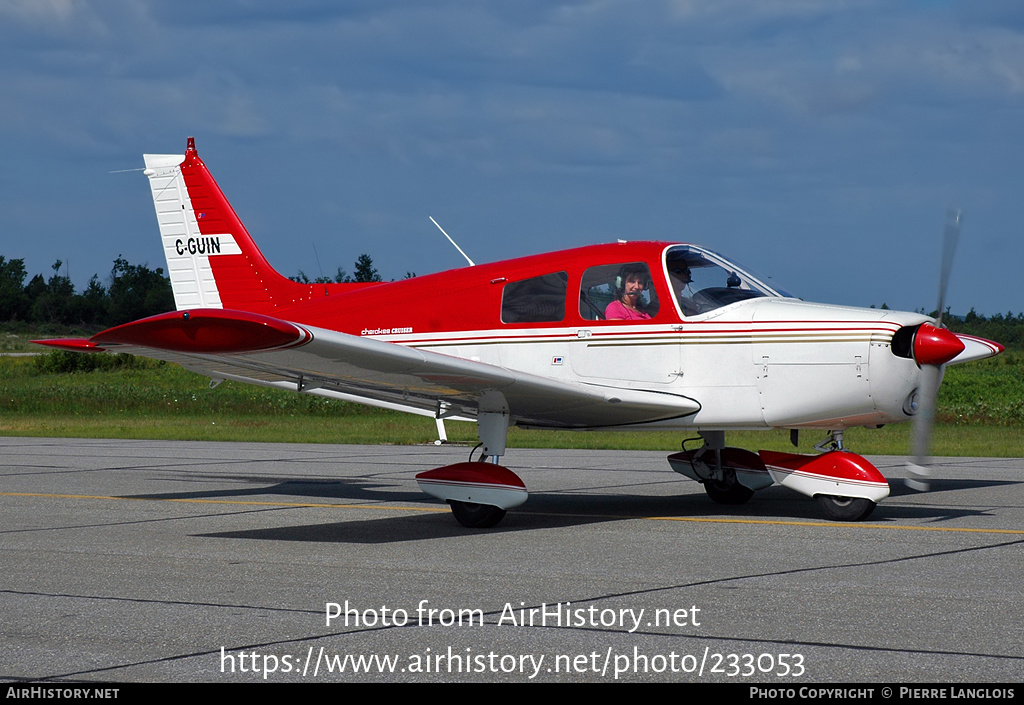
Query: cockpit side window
point(622, 291)
point(535, 300)
point(701, 284)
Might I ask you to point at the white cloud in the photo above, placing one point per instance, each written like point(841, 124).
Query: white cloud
point(39, 11)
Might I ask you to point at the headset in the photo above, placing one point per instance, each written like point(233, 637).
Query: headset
point(626, 271)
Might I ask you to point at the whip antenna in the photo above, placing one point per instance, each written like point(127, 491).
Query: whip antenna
point(471, 262)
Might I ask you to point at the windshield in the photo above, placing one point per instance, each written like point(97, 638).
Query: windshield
point(702, 280)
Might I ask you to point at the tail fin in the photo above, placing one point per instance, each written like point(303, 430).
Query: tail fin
point(211, 259)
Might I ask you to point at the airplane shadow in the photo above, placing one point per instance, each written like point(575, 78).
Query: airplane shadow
point(545, 512)
point(889, 510)
point(552, 510)
point(897, 488)
point(308, 490)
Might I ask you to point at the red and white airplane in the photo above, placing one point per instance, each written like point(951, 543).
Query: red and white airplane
point(627, 336)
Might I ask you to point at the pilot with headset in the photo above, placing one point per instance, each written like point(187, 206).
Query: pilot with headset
point(629, 288)
point(681, 279)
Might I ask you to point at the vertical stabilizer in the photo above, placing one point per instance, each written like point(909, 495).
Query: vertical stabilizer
point(211, 259)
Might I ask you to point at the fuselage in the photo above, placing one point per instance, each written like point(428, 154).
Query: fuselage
point(752, 356)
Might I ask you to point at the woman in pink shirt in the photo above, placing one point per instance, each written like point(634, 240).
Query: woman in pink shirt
point(629, 287)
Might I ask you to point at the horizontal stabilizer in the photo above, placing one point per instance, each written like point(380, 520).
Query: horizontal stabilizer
point(212, 331)
point(72, 344)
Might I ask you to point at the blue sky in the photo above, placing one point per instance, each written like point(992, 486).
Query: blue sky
point(818, 141)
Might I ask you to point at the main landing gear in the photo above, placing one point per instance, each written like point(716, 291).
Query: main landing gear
point(846, 485)
point(480, 492)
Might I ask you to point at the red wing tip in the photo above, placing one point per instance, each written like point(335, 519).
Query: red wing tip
point(73, 344)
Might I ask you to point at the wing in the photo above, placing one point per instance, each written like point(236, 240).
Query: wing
point(247, 347)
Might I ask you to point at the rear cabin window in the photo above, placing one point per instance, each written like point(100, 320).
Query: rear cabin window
point(536, 300)
point(618, 292)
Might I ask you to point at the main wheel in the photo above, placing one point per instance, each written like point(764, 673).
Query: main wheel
point(845, 508)
point(476, 516)
point(728, 491)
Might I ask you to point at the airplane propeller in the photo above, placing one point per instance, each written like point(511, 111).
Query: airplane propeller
point(933, 346)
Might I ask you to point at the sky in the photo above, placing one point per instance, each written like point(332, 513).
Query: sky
point(819, 141)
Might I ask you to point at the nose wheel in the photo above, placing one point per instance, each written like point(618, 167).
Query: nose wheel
point(845, 508)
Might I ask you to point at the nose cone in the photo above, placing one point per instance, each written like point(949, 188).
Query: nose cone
point(935, 346)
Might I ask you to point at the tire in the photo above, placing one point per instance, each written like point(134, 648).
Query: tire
point(845, 508)
point(476, 516)
point(729, 491)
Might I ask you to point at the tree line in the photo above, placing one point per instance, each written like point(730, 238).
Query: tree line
point(1007, 329)
point(364, 272)
point(131, 292)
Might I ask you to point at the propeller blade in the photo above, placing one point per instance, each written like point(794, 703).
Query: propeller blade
point(919, 474)
point(950, 237)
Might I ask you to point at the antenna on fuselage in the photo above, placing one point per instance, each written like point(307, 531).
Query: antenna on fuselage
point(471, 262)
point(322, 277)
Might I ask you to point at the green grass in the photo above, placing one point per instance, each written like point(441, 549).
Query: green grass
point(980, 412)
point(18, 337)
point(988, 391)
point(17, 343)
